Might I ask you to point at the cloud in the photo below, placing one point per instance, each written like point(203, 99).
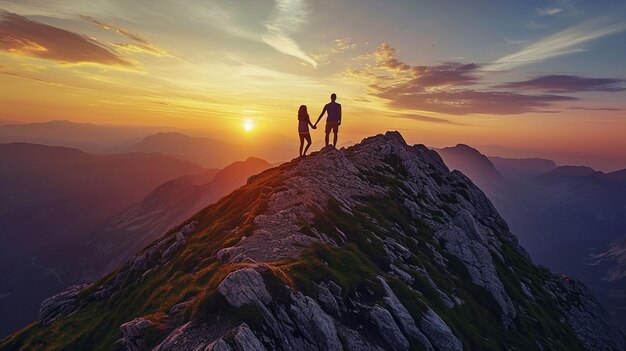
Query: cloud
point(550, 11)
point(562, 43)
point(443, 74)
point(287, 17)
point(141, 45)
point(343, 45)
point(583, 108)
point(466, 101)
point(26, 77)
point(441, 88)
point(140, 48)
point(118, 30)
point(566, 83)
point(423, 118)
point(19, 35)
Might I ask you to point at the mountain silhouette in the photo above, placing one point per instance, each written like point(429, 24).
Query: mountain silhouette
point(374, 247)
point(522, 169)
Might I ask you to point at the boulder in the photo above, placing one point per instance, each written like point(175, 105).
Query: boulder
point(403, 316)
point(244, 286)
point(133, 333)
point(438, 332)
point(388, 328)
point(316, 326)
point(60, 305)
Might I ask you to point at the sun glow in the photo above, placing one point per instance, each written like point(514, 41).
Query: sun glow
point(248, 125)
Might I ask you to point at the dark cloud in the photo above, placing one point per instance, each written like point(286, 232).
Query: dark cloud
point(19, 35)
point(463, 101)
point(441, 88)
point(567, 83)
point(583, 108)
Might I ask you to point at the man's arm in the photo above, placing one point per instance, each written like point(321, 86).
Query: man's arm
point(321, 114)
point(339, 114)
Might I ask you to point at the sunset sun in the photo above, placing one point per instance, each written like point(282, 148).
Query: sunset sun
point(248, 125)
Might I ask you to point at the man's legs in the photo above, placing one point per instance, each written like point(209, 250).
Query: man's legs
point(335, 139)
point(326, 138)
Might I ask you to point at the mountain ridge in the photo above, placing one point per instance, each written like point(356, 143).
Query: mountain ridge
point(374, 247)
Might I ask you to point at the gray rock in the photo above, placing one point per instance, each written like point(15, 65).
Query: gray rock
point(62, 304)
point(219, 345)
point(403, 316)
point(470, 241)
point(246, 340)
point(243, 287)
point(327, 300)
point(133, 333)
point(316, 326)
point(438, 332)
point(388, 328)
point(353, 341)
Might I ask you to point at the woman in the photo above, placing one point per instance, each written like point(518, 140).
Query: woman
point(303, 129)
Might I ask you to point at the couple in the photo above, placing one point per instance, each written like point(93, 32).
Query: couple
point(333, 121)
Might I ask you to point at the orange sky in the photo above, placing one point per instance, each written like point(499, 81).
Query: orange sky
point(207, 67)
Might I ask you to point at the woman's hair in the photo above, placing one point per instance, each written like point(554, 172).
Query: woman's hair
point(302, 112)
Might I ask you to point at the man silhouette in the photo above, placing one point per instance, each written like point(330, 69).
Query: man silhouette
point(333, 120)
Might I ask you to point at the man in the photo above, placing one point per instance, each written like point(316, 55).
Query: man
point(333, 120)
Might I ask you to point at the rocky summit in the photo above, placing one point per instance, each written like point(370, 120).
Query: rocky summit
point(374, 247)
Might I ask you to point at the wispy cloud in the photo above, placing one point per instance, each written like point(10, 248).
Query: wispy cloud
point(22, 36)
point(565, 42)
point(549, 11)
point(584, 108)
point(287, 17)
point(560, 83)
point(141, 45)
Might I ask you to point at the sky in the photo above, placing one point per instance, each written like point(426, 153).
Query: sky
point(514, 78)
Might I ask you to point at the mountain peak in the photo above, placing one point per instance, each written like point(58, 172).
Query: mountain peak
point(373, 247)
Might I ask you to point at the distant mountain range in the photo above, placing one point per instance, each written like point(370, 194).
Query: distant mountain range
point(569, 218)
point(95, 138)
point(88, 137)
point(57, 203)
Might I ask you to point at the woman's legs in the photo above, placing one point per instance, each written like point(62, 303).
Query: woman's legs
point(308, 142)
point(301, 143)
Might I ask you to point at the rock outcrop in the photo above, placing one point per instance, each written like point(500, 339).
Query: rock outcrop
point(374, 247)
point(60, 305)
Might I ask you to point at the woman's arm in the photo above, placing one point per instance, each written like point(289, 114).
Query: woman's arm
point(321, 114)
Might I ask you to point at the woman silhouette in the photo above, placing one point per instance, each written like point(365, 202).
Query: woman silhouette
point(303, 129)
